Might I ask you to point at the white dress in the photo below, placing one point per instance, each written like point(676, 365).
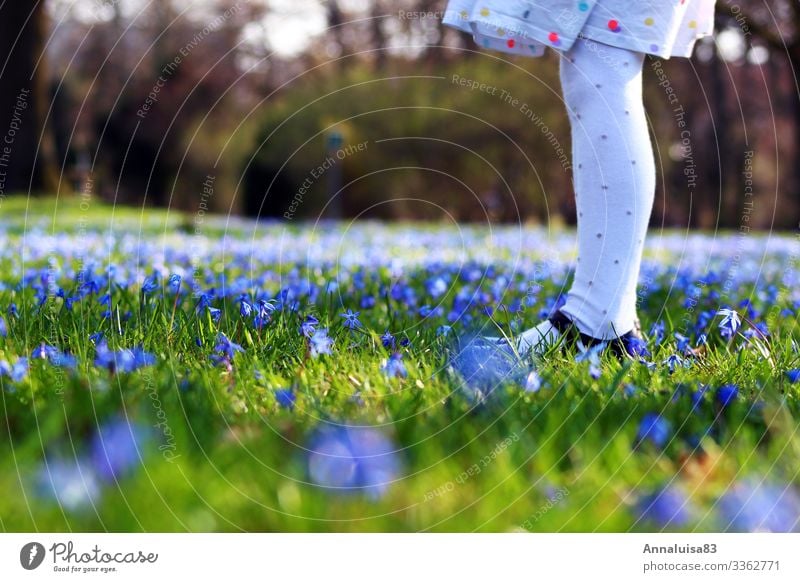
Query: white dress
point(664, 28)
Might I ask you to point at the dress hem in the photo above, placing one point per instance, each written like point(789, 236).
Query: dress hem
point(536, 40)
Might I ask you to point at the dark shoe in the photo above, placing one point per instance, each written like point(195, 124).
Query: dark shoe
point(630, 344)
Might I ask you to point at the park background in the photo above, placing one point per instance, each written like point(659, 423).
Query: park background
point(142, 103)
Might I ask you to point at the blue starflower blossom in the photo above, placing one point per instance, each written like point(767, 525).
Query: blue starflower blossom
point(320, 343)
point(387, 340)
point(730, 323)
point(533, 382)
point(664, 508)
point(654, 428)
point(353, 459)
point(309, 325)
point(727, 394)
point(150, 284)
point(16, 371)
point(70, 482)
point(393, 366)
point(754, 505)
point(117, 448)
point(285, 397)
point(793, 375)
point(226, 347)
point(351, 319)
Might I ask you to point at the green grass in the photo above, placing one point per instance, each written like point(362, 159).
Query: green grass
point(560, 459)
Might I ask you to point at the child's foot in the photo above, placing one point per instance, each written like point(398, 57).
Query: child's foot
point(630, 344)
point(539, 339)
point(535, 340)
point(558, 326)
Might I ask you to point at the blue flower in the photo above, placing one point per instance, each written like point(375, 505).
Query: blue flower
point(387, 339)
point(17, 371)
point(351, 319)
point(655, 428)
point(214, 313)
point(793, 375)
point(72, 483)
point(636, 347)
point(265, 309)
point(320, 343)
point(436, 286)
point(353, 459)
point(665, 508)
point(393, 366)
point(657, 332)
point(90, 287)
point(727, 394)
point(483, 366)
point(122, 361)
point(174, 282)
point(3, 327)
point(682, 342)
point(142, 358)
point(673, 361)
point(117, 448)
point(149, 285)
point(55, 356)
point(649, 365)
point(698, 396)
point(226, 347)
point(428, 311)
point(730, 321)
point(204, 301)
point(533, 382)
point(758, 506)
point(285, 397)
point(245, 309)
point(309, 325)
point(591, 355)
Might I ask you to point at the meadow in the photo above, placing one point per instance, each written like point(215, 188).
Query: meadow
point(163, 372)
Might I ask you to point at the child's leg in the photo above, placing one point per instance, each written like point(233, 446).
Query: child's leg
point(614, 177)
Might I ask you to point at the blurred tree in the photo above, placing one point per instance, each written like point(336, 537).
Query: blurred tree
point(777, 25)
point(335, 29)
point(150, 96)
point(431, 146)
point(379, 37)
point(25, 98)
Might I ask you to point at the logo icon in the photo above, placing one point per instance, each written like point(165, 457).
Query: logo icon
point(31, 555)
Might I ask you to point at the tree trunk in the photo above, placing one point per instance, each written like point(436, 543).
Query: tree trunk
point(721, 170)
point(791, 188)
point(335, 19)
point(378, 36)
point(27, 149)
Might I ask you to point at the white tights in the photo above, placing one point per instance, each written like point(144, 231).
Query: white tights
point(614, 178)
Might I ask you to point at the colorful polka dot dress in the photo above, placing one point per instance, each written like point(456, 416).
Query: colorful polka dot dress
point(665, 28)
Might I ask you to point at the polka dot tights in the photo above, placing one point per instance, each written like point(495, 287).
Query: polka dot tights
point(614, 179)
